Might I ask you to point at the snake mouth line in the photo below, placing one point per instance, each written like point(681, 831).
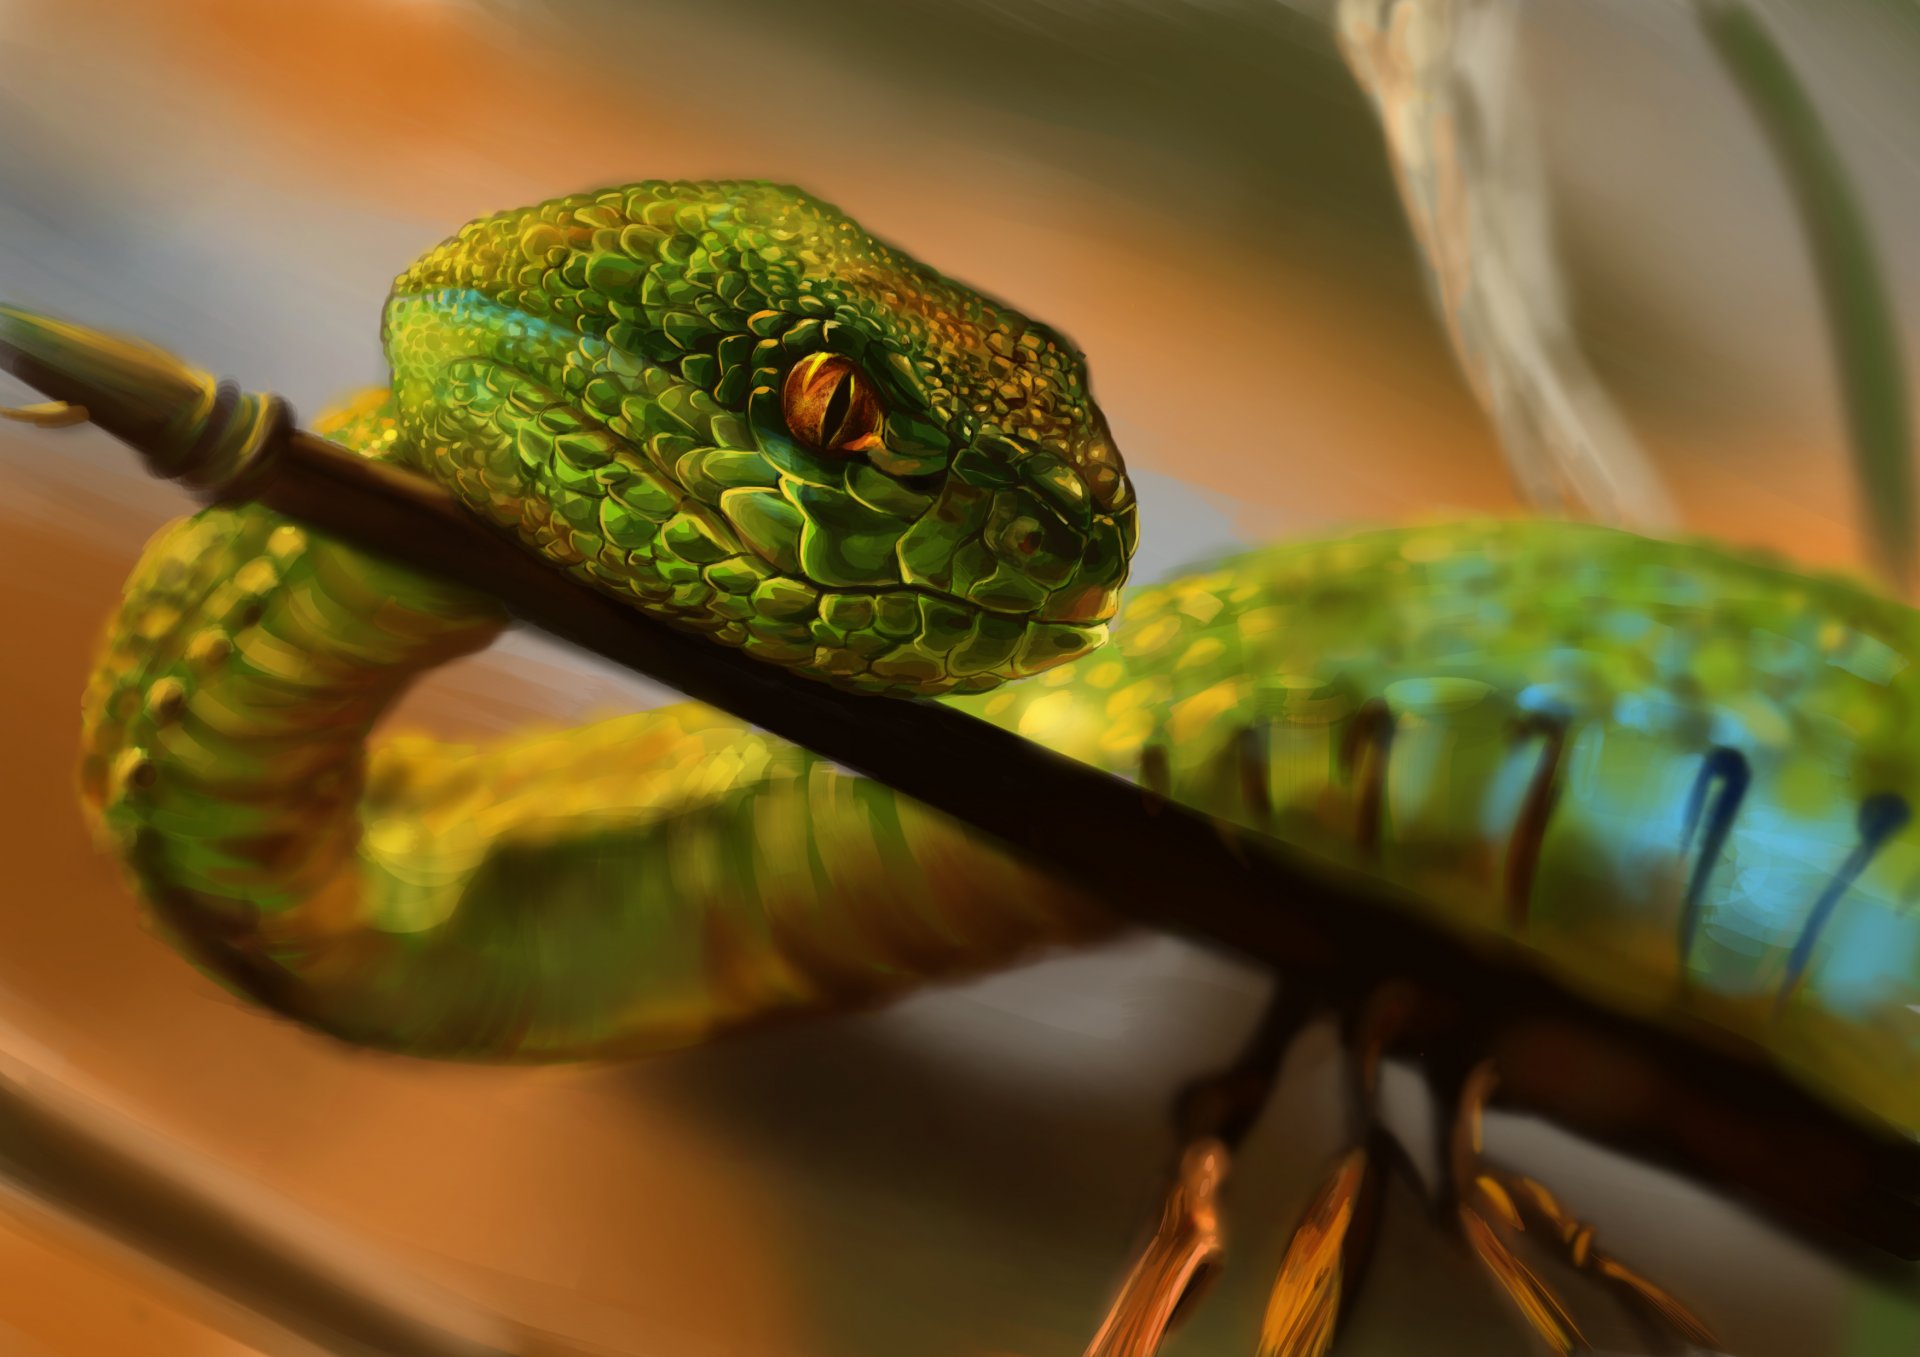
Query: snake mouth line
point(958, 600)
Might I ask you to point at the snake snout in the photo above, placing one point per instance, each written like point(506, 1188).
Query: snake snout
point(1098, 461)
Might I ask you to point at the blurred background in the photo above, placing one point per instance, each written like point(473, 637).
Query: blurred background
point(1197, 192)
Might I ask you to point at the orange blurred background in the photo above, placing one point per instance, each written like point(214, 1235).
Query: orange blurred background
point(1195, 193)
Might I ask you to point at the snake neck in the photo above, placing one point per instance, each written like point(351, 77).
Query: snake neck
point(628, 887)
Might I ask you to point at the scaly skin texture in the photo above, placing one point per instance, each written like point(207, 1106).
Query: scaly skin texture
point(604, 374)
point(1630, 670)
point(1677, 774)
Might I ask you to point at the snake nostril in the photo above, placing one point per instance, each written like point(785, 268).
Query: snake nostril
point(1098, 462)
point(1107, 486)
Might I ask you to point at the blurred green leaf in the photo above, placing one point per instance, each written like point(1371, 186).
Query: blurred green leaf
point(1866, 339)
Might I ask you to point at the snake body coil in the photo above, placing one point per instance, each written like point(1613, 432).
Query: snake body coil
point(1680, 776)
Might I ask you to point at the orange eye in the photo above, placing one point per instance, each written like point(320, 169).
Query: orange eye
point(830, 405)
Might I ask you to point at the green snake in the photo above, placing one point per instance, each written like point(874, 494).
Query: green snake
point(1679, 774)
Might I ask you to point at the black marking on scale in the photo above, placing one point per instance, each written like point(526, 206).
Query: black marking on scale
point(1536, 811)
point(1252, 752)
point(1370, 733)
point(1724, 772)
point(1156, 772)
point(1882, 815)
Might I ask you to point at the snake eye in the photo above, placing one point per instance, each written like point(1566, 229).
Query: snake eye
point(831, 406)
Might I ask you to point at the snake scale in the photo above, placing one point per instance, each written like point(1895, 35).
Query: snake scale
point(1680, 774)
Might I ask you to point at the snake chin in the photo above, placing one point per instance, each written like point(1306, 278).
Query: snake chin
point(916, 640)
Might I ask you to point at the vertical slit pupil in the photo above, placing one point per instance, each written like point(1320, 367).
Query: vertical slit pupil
point(833, 419)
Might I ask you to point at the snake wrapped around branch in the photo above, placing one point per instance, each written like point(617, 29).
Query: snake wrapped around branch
point(1678, 774)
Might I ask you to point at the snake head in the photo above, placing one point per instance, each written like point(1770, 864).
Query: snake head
point(729, 404)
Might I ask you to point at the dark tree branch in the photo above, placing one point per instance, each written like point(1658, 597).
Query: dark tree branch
point(1676, 1092)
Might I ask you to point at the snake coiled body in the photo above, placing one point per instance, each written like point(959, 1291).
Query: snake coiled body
point(1679, 775)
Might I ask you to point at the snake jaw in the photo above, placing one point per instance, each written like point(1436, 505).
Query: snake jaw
point(642, 383)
